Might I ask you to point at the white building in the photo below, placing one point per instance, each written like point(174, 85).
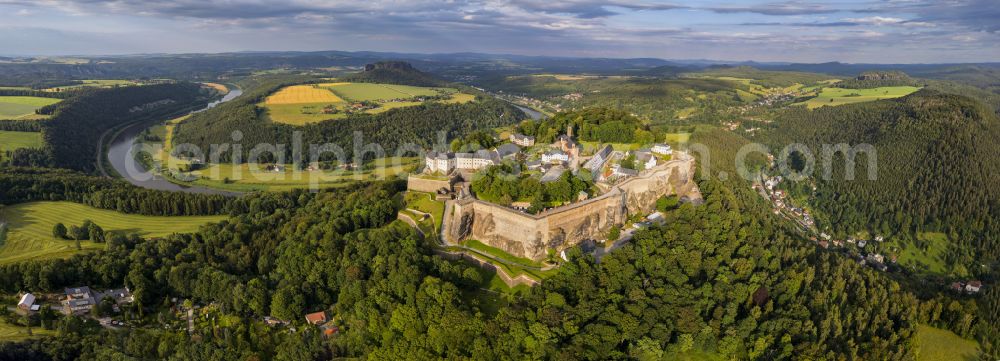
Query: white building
point(660, 148)
point(27, 302)
point(475, 161)
point(644, 160)
point(436, 162)
point(555, 156)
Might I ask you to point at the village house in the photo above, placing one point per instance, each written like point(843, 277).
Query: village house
point(973, 286)
point(522, 140)
point(79, 300)
point(317, 318)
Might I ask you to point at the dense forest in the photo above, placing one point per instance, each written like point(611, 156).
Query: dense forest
point(418, 125)
point(592, 124)
point(724, 278)
point(499, 185)
point(73, 134)
point(937, 159)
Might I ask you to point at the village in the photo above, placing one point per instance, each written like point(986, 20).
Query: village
point(867, 252)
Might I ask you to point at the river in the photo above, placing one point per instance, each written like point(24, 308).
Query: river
point(533, 114)
point(121, 150)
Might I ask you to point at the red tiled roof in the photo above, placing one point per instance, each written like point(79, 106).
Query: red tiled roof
point(317, 317)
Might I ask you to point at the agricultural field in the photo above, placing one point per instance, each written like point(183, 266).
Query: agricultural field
point(20, 107)
point(381, 92)
point(29, 235)
point(15, 140)
point(302, 94)
point(94, 83)
point(936, 344)
point(841, 96)
point(304, 104)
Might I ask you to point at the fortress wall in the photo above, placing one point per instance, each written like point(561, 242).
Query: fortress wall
point(427, 185)
point(530, 236)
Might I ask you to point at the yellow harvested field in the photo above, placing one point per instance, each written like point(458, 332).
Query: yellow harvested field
point(327, 85)
point(302, 94)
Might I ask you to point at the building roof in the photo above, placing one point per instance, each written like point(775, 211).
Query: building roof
point(316, 317)
point(599, 158)
point(627, 171)
point(79, 290)
point(508, 149)
point(661, 145)
point(463, 155)
point(26, 300)
point(441, 155)
point(520, 136)
point(553, 174)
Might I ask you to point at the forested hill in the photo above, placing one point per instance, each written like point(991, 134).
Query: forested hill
point(394, 72)
point(418, 124)
point(72, 135)
point(938, 158)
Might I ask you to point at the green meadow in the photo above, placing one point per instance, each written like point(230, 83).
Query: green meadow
point(15, 140)
point(936, 344)
point(20, 107)
point(29, 235)
point(841, 96)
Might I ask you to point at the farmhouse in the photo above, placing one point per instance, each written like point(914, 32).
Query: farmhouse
point(316, 318)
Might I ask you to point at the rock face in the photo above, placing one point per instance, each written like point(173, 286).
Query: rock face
point(532, 236)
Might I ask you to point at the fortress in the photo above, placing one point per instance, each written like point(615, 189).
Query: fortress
point(534, 235)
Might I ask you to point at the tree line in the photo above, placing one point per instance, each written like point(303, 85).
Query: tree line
point(19, 185)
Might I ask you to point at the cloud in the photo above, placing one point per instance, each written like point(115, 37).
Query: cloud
point(784, 30)
point(778, 9)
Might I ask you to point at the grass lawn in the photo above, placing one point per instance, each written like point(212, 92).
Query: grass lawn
point(18, 107)
point(512, 269)
point(426, 203)
point(677, 138)
point(30, 228)
point(15, 140)
point(841, 96)
point(930, 260)
point(16, 333)
point(592, 146)
point(936, 344)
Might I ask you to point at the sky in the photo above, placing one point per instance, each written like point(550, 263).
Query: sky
point(857, 31)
